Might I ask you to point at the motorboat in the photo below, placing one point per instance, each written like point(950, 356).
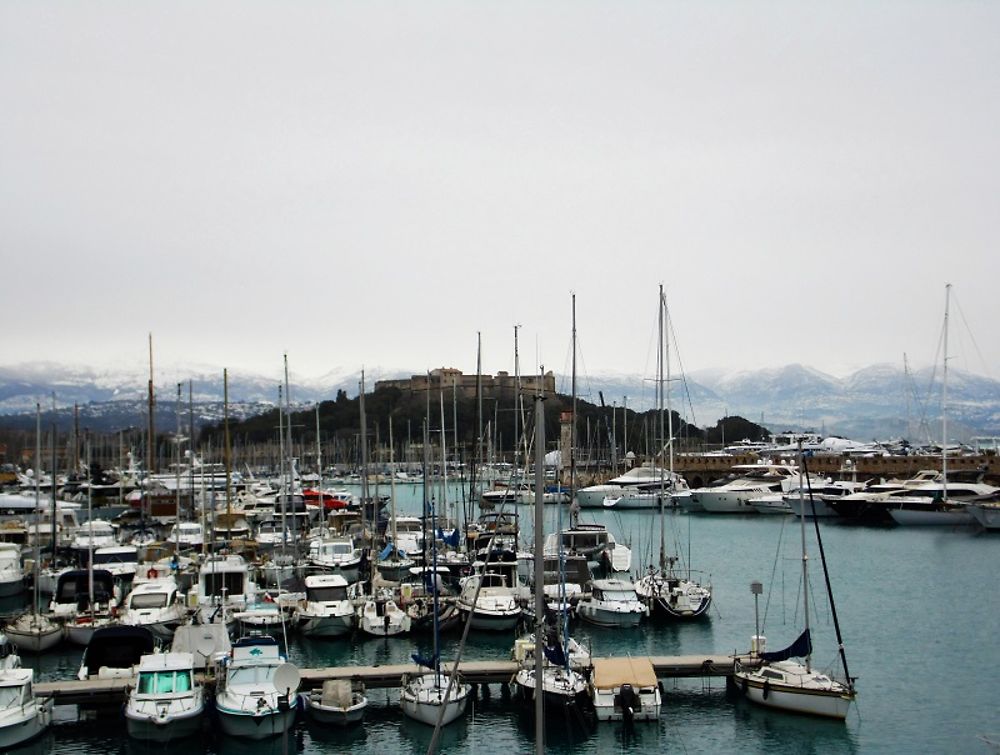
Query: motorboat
point(746, 481)
point(489, 596)
point(593, 496)
point(114, 652)
point(590, 540)
point(612, 603)
point(380, 616)
point(336, 704)
point(93, 534)
point(262, 616)
point(252, 699)
point(187, 535)
point(327, 610)
point(625, 689)
point(671, 490)
point(167, 702)
point(121, 560)
point(11, 571)
point(157, 605)
point(224, 586)
point(22, 715)
point(338, 555)
point(81, 609)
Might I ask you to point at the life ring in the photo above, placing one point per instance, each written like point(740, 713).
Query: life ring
point(152, 573)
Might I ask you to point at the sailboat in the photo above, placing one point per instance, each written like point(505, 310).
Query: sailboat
point(546, 678)
point(777, 681)
point(669, 594)
point(34, 632)
point(943, 508)
point(437, 695)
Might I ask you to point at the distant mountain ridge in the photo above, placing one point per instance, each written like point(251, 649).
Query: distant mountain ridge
point(878, 401)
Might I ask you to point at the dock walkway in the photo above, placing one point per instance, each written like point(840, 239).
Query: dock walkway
point(98, 692)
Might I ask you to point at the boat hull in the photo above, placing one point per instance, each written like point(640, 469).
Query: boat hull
point(424, 704)
point(35, 641)
point(988, 517)
point(256, 727)
point(824, 703)
point(326, 626)
point(33, 720)
point(931, 518)
point(609, 619)
point(333, 716)
point(152, 729)
point(491, 621)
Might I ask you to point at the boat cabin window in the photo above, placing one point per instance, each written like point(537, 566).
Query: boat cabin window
point(124, 557)
point(491, 579)
point(321, 594)
point(213, 584)
point(615, 595)
point(337, 549)
point(772, 674)
point(251, 675)
point(148, 600)
point(11, 697)
point(164, 682)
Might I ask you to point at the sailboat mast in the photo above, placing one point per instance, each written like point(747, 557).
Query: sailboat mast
point(944, 398)
point(805, 556)
point(392, 492)
point(539, 567)
point(319, 472)
point(659, 406)
point(517, 400)
point(291, 463)
point(227, 457)
point(364, 454)
point(572, 432)
point(90, 540)
point(52, 474)
point(177, 478)
point(38, 501)
point(151, 444)
point(281, 465)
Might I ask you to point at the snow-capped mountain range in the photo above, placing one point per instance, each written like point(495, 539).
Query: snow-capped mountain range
point(875, 402)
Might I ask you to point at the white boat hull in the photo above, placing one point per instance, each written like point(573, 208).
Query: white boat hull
point(332, 715)
point(264, 726)
point(326, 626)
point(491, 621)
point(153, 729)
point(35, 639)
point(25, 725)
point(930, 518)
point(423, 702)
point(797, 700)
point(607, 618)
point(988, 517)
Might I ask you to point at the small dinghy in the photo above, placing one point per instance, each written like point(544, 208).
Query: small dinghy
point(336, 704)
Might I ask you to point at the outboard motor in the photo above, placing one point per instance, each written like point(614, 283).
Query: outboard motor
point(628, 700)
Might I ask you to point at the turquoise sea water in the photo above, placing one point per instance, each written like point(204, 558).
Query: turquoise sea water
point(919, 610)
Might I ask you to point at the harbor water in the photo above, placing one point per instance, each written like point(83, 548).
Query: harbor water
point(917, 606)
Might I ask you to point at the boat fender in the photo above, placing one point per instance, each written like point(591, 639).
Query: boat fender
point(767, 689)
point(744, 686)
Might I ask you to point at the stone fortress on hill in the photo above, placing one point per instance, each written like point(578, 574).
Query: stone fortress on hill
point(448, 379)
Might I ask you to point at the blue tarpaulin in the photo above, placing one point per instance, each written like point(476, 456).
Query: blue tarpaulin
point(798, 649)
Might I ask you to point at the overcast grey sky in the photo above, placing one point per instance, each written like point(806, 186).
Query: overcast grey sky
point(373, 183)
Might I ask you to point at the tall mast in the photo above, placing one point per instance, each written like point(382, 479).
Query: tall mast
point(38, 501)
point(444, 459)
point(55, 431)
point(944, 398)
point(227, 457)
point(291, 469)
point(364, 451)
point(319, 472)
point(572, 434)
point(177, 478)
point(539, 568)
point(659, 403)
point(151, 445)
point(517, 399)
point(392, 491)
point(281, 463)
point(805, 557)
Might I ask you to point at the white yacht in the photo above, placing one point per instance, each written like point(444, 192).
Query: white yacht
point(746, 481)
point(11, 571)
point(612, 603)
point(157, 605)
point(188, 535)
point(167, 703)
point(625, 689)
point(495, 607)
point(96, 533)
point(338, 555)
point(224, 586)
point(379, 616)
point(593, 496)
point(327, 610)
point(248, 699)
point(22, 715)
point(121, 560)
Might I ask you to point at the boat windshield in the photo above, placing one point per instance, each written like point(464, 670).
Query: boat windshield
point(214, 583)
point(251, 674)
point(10, 697)
point(164, 682)
point(618, 595)
point(322, 594)
point(149, 600)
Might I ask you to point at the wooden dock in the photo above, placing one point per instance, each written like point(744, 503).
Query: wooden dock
point(107, 692)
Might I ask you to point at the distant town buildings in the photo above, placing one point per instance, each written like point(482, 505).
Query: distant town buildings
point(499, 386)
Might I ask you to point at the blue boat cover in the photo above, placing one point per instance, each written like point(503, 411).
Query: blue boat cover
point(798, 649)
